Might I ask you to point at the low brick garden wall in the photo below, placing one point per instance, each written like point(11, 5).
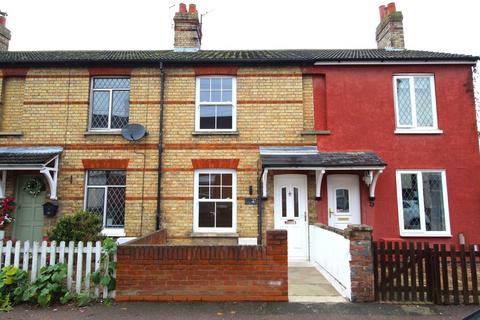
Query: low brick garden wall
point(150, 270)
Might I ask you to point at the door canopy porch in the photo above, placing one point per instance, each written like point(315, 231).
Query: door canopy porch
point(42, 159)
point(309, 158)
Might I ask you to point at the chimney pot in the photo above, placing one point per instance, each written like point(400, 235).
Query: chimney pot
point(391, 7)
point(389, 33)
point(5, 34)
point(192, 8)
point(382, 9)
point(182, 8)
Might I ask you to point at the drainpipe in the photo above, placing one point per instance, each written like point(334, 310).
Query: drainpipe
point(260, 209)
point(160, 147)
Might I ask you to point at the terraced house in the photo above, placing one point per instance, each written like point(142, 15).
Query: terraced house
point(238, 142)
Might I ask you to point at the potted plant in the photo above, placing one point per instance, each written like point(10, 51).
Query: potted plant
point(7, 207)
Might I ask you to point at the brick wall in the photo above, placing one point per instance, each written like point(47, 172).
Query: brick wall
point(204, 273)
point(361, 263)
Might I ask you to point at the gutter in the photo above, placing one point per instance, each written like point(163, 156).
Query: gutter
point(390, 62)
point(160, 148)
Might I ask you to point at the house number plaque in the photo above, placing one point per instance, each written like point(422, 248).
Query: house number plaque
point(251, 201)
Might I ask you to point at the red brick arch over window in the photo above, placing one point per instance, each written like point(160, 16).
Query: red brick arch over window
point(90, 164)
point(215, 163)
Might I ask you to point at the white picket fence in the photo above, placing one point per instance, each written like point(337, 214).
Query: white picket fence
point(78, 259)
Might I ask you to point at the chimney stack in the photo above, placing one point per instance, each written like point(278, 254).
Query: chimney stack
point(5, 35)
point(188, 29)
point(389, 32)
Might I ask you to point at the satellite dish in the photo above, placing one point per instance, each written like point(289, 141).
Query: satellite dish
point(134, 132)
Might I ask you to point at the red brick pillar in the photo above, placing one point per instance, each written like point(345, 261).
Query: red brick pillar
point(361, 264)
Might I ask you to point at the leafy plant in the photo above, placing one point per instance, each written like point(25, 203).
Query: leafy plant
point(85, 299)
point(13, 283)
point(49, 287)
point(104, 276)
point(81, 226)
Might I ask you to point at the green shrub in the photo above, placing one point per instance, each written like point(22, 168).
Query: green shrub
point(50, 287)
point(81, 226)
point(13, 283)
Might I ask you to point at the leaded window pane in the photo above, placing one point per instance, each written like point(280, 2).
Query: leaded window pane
point(410, 202)
point(95, 201)
point(404, 102)
point(115, 208)
point(100, 109)
point(284, 201)
point(120, 106)
point(423, 101)
point(433, 201)
point(111, 83)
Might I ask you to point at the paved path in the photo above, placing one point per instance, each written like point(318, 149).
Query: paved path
point(277, 311)
point(306, 284)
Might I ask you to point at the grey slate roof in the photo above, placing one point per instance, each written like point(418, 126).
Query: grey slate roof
point(323, 159)
point(136, 57)
point(27, 155)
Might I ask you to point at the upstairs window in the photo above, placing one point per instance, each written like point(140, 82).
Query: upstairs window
point(109, 104)
point(415, 106)
point(215, 104)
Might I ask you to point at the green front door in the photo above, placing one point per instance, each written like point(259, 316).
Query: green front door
point(28, 223)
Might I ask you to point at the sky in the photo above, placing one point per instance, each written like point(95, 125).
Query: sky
point(437, 25)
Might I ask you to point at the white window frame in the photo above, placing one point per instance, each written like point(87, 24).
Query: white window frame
point(110, 232)
point(422, 232)
point(233, 103)
point(414, 128)
point(196, 200)
point(90, 116)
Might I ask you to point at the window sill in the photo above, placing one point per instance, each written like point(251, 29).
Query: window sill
point(418, 131)
point(315, 132)
point(112, 232)
point(427, 235)
point(103, 133)
point(214, 235)
point(215, 133)
point(6, 134)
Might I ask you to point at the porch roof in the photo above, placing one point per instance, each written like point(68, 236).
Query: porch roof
point(322, 160)
point(21, 156)
point(43, 159)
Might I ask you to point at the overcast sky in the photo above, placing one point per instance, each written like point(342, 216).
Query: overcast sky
point(450, 26)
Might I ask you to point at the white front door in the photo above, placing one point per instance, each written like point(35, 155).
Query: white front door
point(291, 212)
point(343, 200)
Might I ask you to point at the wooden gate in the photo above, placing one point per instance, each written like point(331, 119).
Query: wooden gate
point(421, 272)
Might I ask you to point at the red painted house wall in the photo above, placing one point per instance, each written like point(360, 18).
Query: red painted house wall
point(359, 111)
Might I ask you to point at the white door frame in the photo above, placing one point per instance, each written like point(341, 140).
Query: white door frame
point(296, 222)
point(350, 182)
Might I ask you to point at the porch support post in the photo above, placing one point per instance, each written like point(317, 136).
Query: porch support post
point(318, 186)
point(3, 183)
point(373, 185)
point(51, 174)
point(264, 184)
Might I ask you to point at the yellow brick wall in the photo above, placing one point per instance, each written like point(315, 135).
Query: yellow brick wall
point(273, 109)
